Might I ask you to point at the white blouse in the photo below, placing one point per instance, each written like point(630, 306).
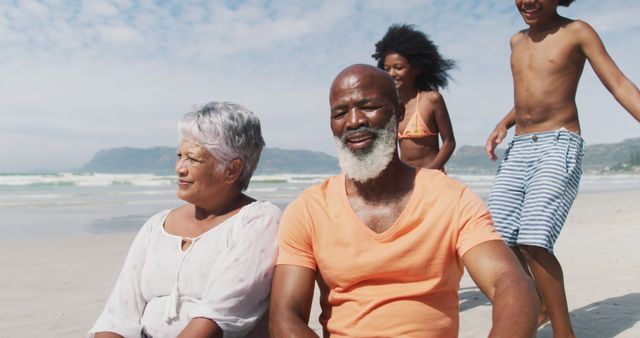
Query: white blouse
point(224, 275)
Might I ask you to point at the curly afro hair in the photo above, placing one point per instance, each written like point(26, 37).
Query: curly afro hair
point(421, 53)
point(565, 3)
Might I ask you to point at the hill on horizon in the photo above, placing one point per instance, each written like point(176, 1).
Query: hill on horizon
point(161, 160)
point(599, 158)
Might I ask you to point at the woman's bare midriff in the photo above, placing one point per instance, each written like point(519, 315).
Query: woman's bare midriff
point(419, 152)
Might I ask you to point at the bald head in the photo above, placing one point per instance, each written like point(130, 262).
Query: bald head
point(364, 120)
point(365, 76)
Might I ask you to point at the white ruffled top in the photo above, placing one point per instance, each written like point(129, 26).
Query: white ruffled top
point(224, 275)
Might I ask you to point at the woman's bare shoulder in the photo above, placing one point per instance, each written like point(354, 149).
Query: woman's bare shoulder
point(430, 100)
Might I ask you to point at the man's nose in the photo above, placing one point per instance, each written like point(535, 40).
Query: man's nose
point(356, 118)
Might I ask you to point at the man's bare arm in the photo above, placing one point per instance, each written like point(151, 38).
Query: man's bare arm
point(497, 272)
point(499, 133)
point(291, 296)
point(624, 91)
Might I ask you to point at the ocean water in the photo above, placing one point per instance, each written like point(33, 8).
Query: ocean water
point(71, 204)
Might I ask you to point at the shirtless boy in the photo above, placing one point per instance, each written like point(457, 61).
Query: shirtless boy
point(538, 178)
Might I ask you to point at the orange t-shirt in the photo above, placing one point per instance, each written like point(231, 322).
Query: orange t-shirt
point(400, 283)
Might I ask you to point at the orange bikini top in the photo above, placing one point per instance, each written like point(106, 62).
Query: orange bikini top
point(416, 128)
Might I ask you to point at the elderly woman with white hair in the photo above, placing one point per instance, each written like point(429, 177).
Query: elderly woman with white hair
point(203, 269)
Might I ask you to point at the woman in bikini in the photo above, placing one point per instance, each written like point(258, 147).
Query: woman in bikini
point(418, 71)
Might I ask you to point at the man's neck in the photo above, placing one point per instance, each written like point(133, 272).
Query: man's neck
point(393, 182)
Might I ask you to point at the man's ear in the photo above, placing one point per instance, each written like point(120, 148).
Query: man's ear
point(233, 170)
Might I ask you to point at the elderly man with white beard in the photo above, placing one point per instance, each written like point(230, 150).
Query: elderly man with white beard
point(388, 243)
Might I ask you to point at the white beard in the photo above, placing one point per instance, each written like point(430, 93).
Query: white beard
point(367, 164)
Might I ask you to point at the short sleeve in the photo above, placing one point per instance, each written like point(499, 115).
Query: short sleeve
point(125, 305)
point(237, 294)
point(475, 224)
point(294, 238)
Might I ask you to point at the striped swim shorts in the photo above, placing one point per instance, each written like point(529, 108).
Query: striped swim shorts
point(535, 186)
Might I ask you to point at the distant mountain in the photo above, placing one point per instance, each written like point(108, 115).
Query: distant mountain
point(472, 160)
point(614, 157)
point(276, 160)
point(161, 160)
point(600, 158)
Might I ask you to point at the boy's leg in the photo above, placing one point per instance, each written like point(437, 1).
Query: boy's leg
point(549, 279)
point(550, 192)
point(543, 316)
point(506, 201)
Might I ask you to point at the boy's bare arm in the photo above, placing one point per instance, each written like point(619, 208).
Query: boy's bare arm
point(624, 91)
point(499, 133)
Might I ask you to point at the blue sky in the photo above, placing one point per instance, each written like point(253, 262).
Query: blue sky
point(80, 76)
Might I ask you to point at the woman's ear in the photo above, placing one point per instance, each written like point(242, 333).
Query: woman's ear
point(233, 170)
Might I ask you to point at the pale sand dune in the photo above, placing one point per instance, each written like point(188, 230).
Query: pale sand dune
point(57, 288)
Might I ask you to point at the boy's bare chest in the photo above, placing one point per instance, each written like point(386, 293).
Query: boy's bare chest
point(552, 55)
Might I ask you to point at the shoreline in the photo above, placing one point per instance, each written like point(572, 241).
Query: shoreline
point(69, 211)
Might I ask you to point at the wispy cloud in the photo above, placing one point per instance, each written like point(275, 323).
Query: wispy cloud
point(79, 76)
point(619, 20)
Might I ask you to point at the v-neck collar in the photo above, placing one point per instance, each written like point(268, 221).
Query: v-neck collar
point(396, 224)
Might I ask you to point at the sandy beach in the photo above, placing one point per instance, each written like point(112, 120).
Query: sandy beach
point(57, 288)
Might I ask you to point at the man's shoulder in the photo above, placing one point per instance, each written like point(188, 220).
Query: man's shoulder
point(312, 203)
point(323, 187)
point(436, 180)
point(327, 189)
